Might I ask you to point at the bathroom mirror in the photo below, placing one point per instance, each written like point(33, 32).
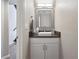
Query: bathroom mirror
point(44, 20)
point(44, 16)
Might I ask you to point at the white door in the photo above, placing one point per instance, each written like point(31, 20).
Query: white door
point(12, 23)
point(52, 51)
point(37, 51)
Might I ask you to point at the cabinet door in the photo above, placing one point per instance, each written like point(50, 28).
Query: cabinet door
point(37, 51)
point(52, 51)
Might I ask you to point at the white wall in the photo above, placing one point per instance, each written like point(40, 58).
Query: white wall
point(24, 12)
point(66, 23)
point(4, 28)
point(22, 16)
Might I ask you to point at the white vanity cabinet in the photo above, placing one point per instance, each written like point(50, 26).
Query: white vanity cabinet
point(37, 51)
point(44, 48)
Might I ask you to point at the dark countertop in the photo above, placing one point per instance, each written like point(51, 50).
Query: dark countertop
point(55, 35)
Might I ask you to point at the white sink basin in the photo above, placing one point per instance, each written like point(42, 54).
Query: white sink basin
point(45, 33)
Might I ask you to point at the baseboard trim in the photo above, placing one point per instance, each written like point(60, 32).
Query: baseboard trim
point(6, 57)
